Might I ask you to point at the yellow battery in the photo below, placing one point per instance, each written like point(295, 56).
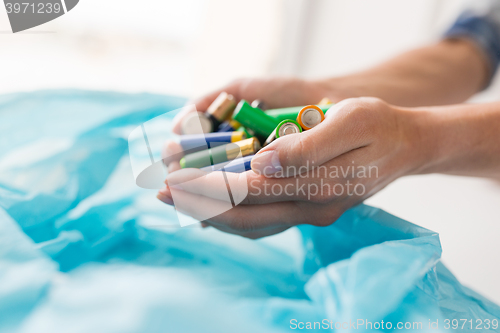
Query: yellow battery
point(222, 107)
point(325, 101)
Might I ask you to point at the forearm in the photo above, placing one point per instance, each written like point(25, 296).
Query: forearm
point(448, 72)
point(459, 139)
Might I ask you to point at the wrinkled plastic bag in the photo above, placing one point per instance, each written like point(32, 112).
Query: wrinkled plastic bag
point(83, 249)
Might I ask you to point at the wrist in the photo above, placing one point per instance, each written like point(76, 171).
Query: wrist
point(422, 147)
point(420, 131)
point(438, 138)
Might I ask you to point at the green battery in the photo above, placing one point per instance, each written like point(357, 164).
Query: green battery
point(248, 133)
point(220, 154)
point(286, 127)
point(292, 112)
point(255, 119)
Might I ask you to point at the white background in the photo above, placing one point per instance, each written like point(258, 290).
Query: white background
point(189, 47)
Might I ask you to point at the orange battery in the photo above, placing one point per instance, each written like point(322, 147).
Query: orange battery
point(310, 116)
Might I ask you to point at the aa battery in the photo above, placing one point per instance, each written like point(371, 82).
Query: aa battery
point(233, 125)
point(220, 154)
point(255, 119)
point(196, 142)
point(259, 104)
point(291, 112)
point(229, 126)
point(248, 132)
point(310, 116)
point(237, 165)
point(219, 111)
point(221, 108)
point(286, 127)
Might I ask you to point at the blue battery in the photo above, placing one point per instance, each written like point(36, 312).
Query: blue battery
point(196, 142)
point(226, 127)
point(238, 165)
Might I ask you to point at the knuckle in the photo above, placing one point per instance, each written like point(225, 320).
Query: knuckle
point(359, 111)
point(363, 114)
point(363, 108)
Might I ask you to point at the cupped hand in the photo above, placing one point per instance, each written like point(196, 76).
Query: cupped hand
point(308, 178)
point(274, 92)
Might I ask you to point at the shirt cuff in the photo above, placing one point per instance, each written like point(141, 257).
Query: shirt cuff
point(483, 32)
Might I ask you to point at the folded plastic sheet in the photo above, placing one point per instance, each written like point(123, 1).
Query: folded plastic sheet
point(83, 249)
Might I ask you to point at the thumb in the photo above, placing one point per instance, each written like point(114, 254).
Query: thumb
point(287, 156)
point(342, 131)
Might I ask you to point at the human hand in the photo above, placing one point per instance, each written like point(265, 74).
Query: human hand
point(309, 178)
point(274, 92)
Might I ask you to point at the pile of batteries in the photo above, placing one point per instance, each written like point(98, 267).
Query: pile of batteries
point(227, 136)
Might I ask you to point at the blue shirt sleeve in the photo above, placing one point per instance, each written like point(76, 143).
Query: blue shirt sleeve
point(484, 31)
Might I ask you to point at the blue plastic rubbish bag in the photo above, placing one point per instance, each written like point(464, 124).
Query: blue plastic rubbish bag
point(83, 249)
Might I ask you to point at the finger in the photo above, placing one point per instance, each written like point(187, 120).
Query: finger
point(257, 218)
point(245, 219)
point(245, 188)
point(249, 188)
point(327, 183)
point(242, 218)
point(202, 104)
point(171, 152)
point(174, 166)
point(342, 131)
point(279, 92)
point(166, 196)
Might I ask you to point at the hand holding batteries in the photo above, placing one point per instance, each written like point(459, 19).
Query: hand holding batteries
point(274, 92)
point(311, 177)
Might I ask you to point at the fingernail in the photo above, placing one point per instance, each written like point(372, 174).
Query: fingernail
point(266, 163)
point(165, 199)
